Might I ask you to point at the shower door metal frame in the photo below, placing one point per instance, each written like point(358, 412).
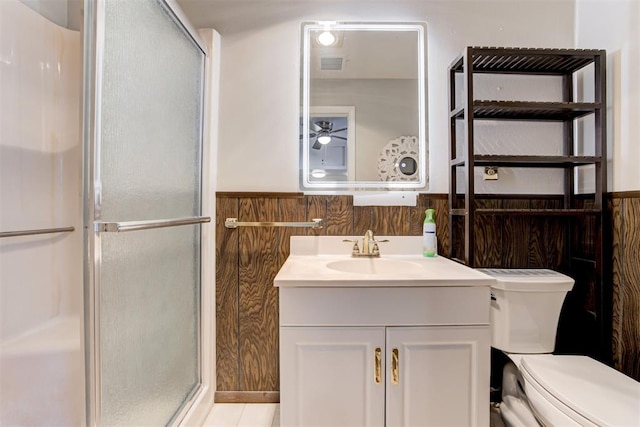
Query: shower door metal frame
point(92, 51)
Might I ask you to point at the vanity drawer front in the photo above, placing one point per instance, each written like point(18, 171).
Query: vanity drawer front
point(384, 306)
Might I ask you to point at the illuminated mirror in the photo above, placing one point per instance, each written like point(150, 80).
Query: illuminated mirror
point(363, 106)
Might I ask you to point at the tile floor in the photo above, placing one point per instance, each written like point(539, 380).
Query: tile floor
point(268, 415)
point(244, 415)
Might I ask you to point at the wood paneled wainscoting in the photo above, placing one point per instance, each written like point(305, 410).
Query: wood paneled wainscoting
point(248, 258)
point(625, 218)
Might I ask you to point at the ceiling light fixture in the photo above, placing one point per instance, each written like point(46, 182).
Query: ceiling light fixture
point(326, 38)
point(318, 173)
point(324, 139)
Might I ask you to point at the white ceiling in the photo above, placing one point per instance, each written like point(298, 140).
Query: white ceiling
point(230, 16)
point(370, 55)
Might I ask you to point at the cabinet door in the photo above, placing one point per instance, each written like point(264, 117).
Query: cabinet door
point(330, 376)
point(440, 376)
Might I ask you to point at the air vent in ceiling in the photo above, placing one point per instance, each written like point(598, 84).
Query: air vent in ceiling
point(331, 64)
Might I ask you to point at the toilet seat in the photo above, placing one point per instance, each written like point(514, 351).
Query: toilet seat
point(580, 389)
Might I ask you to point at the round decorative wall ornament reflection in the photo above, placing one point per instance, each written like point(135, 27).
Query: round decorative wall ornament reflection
point(399, 160)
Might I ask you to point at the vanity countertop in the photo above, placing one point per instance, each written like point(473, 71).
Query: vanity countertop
point(314, 263)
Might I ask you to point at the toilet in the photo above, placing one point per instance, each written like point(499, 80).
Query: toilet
point(540, 388)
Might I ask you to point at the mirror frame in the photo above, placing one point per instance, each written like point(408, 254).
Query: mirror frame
point(306, 110)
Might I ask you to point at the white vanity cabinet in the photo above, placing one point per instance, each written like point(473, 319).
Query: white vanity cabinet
point(439, 371)
point(328, 376)
point(384, 356)
point(399, 340)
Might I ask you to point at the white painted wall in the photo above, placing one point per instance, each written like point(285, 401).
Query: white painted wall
point(260, 73)
point(614, 25)
point(259, 101)
point(54, 10)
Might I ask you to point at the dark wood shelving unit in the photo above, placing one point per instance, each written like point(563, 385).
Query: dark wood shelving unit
point(550, 62)
point(577, 214)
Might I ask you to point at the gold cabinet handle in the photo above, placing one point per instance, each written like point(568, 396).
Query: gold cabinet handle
point(378, 365)
point(395, 367)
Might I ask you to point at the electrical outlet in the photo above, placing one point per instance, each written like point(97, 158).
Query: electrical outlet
point(490, 173)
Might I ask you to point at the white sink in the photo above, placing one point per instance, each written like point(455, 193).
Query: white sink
point(376, 266)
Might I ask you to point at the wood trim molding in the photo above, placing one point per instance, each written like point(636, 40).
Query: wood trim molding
point(491, 196)
point(284, 195)
point(434, 195)
point(247, 397)
point(298, 195)
point(256, 194)
point(624, 194)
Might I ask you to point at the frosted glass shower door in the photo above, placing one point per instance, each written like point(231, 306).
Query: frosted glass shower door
point(144, 144)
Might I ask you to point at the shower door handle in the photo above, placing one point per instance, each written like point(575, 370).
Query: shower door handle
point(120, 227)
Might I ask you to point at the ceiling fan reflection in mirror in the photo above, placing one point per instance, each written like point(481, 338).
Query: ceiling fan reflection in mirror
point(323, 132)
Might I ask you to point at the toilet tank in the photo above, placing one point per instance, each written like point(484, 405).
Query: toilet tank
point(525, 308)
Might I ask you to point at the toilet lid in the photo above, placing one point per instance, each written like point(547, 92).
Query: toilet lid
point(529, 280)
point(597, 392)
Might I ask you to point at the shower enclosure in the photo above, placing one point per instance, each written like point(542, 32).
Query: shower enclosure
point(41, 347)
point(105, 297)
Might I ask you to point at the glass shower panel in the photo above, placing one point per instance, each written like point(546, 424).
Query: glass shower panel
point(147, 167)
point(149, 328)
point(151, 102)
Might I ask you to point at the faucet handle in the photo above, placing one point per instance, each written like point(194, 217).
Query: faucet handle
point(356, 249)
point(375, 250)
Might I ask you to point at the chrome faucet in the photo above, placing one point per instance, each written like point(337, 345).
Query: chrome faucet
point(370, 247)
point(367, 244)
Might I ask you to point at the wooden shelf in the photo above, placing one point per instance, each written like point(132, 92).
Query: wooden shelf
point(532, 161)
point(584, 260)
point(526, 61)
point(456, 162)
point(525, 110)
point(528, 212)
point(539, 212)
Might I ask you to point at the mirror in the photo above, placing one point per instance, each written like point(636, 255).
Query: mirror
point(363, 106)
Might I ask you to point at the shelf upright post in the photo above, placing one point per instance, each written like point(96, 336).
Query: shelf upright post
point(568, 148)
point(601, 126)
point(603, 266)
point(469, 214)
point(453, 182)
